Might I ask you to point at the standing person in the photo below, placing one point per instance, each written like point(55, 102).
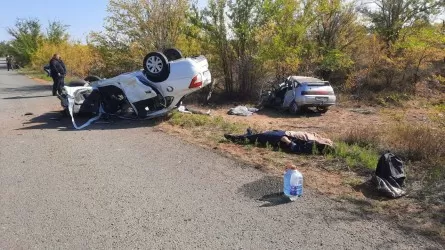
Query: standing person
point(62, 80)
point(57, 73)
point(9, 62)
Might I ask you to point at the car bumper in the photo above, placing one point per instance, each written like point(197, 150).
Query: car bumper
point(317, 101)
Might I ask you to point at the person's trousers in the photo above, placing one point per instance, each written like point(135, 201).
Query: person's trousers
point(58, 83)
point(9, 66)
point(272, 138)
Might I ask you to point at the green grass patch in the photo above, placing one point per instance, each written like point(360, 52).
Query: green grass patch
point(439, 107)
point(41, 75)
point(356, 156)
point(35, 74)
point(209, 122)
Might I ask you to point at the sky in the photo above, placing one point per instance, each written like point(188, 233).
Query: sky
point(82, 16)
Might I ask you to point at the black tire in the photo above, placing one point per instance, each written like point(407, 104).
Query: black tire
point(77, 83)
point(172, 54)
point(92, 78)
point(156, 67)
point(294, 108)
point(322, 109)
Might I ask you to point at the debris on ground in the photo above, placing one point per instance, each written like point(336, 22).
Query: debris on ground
point(289, 141)
point(390, 176)
point(242, 111)
point(183, 109)
point(29, 113)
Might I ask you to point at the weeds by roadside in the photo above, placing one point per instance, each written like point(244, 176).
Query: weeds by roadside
point(209, 122)
point(35, 74)
point(40, 75)
point(355, 156)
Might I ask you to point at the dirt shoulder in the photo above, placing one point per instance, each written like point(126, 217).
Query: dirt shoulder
point(327, 175)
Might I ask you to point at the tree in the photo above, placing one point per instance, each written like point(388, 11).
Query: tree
point(335, 30)
point(245, 19)
point(136, 27)
point(27, 34)
point(390, 16)
point(213, 22)
point(282, 38)
point(4, 48)
point(56, 32)
point(422, 44)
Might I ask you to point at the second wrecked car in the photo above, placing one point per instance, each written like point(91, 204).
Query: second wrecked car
point(297, 93)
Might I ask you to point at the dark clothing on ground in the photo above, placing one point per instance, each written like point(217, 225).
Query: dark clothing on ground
point(274, 139)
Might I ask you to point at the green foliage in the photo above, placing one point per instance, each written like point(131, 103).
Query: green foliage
point(134, 28)
point(252, 43)
point(205, 121)
point(4, 48)
point(336, 60)
point(27, 34)
point(391, 16)
point(281, 38)
point(56, 33)
point(356, 156)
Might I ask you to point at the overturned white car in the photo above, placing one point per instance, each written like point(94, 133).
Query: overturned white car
point(166, 79)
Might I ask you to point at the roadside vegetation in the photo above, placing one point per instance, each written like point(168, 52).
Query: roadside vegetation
point(384, 53)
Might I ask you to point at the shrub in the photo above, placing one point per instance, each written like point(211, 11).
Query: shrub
point(79, 58)
point(418, 142)
point(209, 122)
point(356, 156)
point(363, 137)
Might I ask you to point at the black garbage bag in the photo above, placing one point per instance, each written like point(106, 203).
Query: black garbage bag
point(390, 176)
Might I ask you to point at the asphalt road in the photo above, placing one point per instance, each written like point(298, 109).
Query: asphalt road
point(126, 185)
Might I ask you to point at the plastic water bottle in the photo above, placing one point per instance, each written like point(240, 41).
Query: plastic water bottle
point(293, 183)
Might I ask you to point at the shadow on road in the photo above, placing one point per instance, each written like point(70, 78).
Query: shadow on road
point(59, 121)
point(29, 88)
point(274, 199)
point(267, 189)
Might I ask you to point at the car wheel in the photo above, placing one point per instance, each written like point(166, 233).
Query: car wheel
point(156, 67)
point(172, 54)
point(92, 78)
point(294, 109)
point(322, 109)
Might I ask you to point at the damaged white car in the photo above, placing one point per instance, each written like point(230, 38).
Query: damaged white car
point(152, 92)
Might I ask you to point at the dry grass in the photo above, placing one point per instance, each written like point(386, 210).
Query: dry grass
point(363, 137)
point(417, 142)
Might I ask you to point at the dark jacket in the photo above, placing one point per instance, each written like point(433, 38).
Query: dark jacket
point(56, 68)
point(63, 66)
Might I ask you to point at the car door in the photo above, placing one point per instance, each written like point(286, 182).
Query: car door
point(290, 94)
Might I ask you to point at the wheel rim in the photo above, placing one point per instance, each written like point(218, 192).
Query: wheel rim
point(154, 64)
